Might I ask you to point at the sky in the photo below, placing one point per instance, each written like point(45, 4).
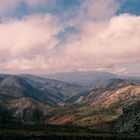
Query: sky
point(49, 36)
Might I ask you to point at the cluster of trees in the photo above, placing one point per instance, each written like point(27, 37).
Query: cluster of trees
point(8, 116)
point(38, 116)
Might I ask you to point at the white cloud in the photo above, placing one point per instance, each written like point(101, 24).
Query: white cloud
point(32, 35)
point(6, 5)
point(24, 42)
point(30, 45)
point(111, 42)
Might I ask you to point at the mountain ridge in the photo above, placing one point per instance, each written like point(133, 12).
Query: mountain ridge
point(65, 103)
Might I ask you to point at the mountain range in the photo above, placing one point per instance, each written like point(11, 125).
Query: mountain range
point(85, 99)
point(90, 78)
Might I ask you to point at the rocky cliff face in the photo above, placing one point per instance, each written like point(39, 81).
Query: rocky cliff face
point(130, 120)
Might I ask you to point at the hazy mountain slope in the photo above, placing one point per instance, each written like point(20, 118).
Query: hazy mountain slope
point(63, 103)
point(25, 93)
point(43, 90)
point(56, 90)
point(15, 87)
point(102, 87)
point(90, 78)
point(104, 103)
point(135, 80)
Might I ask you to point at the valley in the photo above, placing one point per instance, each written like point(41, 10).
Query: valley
point(100, 108)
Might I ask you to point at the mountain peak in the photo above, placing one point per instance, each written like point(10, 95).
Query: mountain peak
point(12, 81)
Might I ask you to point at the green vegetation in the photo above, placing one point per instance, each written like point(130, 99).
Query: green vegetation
point(56, 132)
point(91, 115)
point(13, 129)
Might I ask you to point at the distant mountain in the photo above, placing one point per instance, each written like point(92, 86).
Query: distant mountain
point(102, 104)
point(135, 80)
point(112, 93)
point(56, 90)
point(90, 78)
point(25, 93)
point(117, 98)
point(87, 104)
point(102, 87)
point(15, 87)
point(43, 90)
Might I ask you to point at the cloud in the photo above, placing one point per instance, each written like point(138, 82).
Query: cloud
point(8, 5)
point(104, 42)
point(37, 3)
point(104, 50)
point(98, 9)
point(20, 36)
point(28, 38)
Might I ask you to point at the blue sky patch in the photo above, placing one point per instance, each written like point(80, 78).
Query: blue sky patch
point(130, 6)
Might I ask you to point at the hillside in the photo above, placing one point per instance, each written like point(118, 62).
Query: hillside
point(100, 105)
point(22, 94)
point(63, 103)
point(129, 121)
point(89, 78)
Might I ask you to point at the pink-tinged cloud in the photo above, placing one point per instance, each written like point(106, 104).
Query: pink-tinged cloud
point(98, 9)
point(32, 35)
point(104, 42)
point(93, 10)
point(113, 42)
point(100, 44)
point(6, 5)
point(37, 3)
point(31, 46)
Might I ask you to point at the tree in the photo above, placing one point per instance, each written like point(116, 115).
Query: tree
point(6, 116)
point(38, 116)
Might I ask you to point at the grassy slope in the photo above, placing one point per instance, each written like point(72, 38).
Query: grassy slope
point(82, 116)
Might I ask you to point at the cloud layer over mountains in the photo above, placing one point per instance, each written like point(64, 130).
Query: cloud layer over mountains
point(102, 39)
